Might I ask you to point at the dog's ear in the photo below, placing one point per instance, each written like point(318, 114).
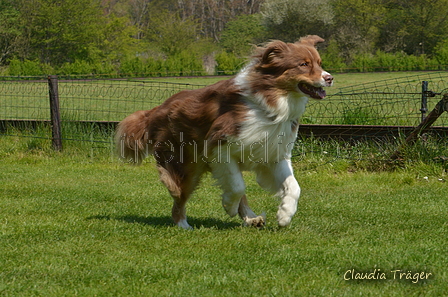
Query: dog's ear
point(310, 40)
point(272, 50)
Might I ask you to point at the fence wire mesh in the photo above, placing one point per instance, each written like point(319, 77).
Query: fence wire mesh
point(393, 102)
point(84, 100)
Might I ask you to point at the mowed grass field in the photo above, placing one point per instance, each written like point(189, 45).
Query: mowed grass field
point(80, 223)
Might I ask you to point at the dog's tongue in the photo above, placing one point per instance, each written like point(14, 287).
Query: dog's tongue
point(321, 93)
point(313, 92)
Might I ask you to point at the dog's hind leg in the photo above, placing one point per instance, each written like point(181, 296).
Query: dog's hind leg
point(234, 200)
point(180, 187)
point(248, 216)
point(231, 181)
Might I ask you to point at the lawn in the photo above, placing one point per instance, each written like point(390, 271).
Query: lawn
point(80, 223)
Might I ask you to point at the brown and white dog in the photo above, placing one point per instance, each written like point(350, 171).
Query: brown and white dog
point(249, 122)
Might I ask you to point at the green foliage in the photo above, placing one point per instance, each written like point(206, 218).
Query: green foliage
point(171, 33)
point(132, 66)
point(183, 63)
point(61, 31)
point(75, 68)
point(414, 27)
point(9, 30)
point(359, 116)
point(442, 53)
point(290, 19)
point(118, 41)
point(241, 34)
point(228, 64)
point(392, 62)
point(117, 37)
point(332, 58)
point(28, 68)
point(357, 25)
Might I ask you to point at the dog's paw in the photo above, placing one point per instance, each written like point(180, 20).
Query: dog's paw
point(258, 222)
point(184, 225)
point(284, 222)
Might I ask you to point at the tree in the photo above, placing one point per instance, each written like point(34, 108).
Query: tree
point(171, 33)
point(242, 33)
point(59, 31)
point(10, 29)
point(290, 19)
point(357, 24)
point(213, 15)
point(118, 39)
point(415, 26)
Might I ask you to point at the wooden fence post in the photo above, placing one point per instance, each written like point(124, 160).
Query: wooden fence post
point(440, 108)
point(55, 114)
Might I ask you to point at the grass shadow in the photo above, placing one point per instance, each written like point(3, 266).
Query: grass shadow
point(166, 221)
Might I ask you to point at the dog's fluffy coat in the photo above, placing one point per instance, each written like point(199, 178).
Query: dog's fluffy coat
point(249, 122)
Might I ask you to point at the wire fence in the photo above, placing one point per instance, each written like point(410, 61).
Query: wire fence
point(346, 111)
point(84, 100)
point(393, 102)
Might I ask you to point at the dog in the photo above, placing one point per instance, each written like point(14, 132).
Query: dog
point(248, 122)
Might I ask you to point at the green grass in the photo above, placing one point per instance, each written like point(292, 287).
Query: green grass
point(79, 223)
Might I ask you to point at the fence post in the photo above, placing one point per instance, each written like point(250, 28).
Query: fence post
point(54, 110)
point(424, 108)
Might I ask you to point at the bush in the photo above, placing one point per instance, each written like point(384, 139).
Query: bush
point(331, 58)
point(132, 67)
point(363, 62)
point(441, 55)
point(382, 61)
point(28, 68)
point(184, 63)
point(76, 68)
point(228, 64)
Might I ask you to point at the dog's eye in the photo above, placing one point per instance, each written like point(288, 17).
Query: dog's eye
point(304, 64)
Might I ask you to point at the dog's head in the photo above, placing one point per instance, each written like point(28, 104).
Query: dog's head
point(295, 67)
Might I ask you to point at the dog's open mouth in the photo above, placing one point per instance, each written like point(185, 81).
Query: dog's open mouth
point(313, 92)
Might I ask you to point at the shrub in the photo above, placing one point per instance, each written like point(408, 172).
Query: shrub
point(184, 63)
point(331, 58)
point(132, 67)
point(76, 68)
point(441, 55)
point(363, 62)
point(28, 68)
point(228, 64)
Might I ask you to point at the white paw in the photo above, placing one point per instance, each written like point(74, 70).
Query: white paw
point(231, 209)
point(283, 221)
point(184, 225)
point(258, 222)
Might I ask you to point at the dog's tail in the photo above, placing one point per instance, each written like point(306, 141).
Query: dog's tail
point(132, 137)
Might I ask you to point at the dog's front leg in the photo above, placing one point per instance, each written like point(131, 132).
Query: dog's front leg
point(279, 179)
point(289, 192)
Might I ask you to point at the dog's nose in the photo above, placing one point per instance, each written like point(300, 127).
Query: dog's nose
point(328, 78)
